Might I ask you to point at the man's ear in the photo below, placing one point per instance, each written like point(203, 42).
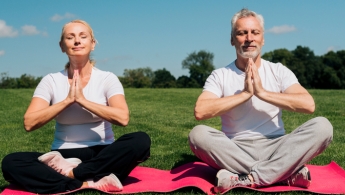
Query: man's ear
point(232, 41)
point(61, 47)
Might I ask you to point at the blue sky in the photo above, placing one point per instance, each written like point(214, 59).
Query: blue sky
point(158, 33)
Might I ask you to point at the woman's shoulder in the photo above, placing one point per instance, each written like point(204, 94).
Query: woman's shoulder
point(56, 75)
point(103, 73)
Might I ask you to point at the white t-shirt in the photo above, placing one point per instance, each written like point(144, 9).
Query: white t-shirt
point(75, 126)
point(254, 118)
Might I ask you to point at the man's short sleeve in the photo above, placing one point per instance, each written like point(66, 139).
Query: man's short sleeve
point(288, 78)
point(214, 83)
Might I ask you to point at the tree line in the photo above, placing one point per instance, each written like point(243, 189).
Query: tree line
point(24, 81)
point(313, 72)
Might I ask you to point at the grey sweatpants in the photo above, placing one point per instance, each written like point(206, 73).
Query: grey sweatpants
point(268, 160)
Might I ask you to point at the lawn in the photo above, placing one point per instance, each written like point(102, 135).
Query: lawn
point(167, 116)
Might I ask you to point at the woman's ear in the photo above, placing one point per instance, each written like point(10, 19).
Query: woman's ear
point(61, 47)
point(93, 44)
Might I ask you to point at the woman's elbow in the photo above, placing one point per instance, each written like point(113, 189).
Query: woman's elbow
point(123, 121)
point(28, 126)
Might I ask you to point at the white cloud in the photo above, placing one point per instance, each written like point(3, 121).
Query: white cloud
point(333, 48)
point(7, 31)
point(30, 30)
point(45, 34)
point(2, 52)
point(123, 58)
point(282, 29)
point(57, 17)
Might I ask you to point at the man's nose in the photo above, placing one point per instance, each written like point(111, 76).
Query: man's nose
point(249, 37)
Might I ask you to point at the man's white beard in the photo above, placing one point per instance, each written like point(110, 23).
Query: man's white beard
point(249, 54)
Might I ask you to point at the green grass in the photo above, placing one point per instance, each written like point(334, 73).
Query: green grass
point(167, 116)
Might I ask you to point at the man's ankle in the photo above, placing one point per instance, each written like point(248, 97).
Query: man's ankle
point(251, 178)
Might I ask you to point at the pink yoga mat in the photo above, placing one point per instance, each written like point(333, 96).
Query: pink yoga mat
point(329, 179)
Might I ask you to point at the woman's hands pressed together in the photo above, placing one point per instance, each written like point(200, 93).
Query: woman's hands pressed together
point(76, 90)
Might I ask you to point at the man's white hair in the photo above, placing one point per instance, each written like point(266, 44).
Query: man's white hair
point(243, 13)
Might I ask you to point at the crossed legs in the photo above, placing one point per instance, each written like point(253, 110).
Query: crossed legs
point(267, 160)
point(107, 164)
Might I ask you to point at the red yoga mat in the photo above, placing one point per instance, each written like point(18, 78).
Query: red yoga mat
point(328, 179)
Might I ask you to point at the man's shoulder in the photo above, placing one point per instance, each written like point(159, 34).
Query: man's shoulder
point(268, 63)
point(273, 66)
point(228, 67)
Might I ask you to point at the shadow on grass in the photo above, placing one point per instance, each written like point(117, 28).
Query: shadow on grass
point(2, 187)
point(186, 158)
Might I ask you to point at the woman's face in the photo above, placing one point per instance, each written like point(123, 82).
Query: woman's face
point(77, 40)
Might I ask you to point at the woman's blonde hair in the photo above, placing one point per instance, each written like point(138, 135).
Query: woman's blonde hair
point(93, 62)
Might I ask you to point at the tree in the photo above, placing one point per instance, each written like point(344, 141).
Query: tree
point(283, 56)
point(28, 81)
point(332, 60)
point(186, 82)
point(163, 79)
point(7, 82)
point(329, 79)
point(341, 72)
point(24, 81)
point(302, 62)
point(200, 66)
point(138, 78)
point(337, 62)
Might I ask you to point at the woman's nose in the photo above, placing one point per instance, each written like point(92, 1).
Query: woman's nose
point(77, 41)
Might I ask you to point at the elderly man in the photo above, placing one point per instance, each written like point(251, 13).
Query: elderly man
point(249, 94)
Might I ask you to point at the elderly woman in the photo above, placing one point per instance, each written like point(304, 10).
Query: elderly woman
point(85, 102)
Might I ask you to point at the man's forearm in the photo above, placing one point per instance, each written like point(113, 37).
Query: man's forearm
point(296, 102)
point(208, 108)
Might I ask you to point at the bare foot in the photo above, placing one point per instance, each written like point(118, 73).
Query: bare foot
point(55, 160)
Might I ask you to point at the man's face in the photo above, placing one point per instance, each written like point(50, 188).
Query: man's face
point(248, 37)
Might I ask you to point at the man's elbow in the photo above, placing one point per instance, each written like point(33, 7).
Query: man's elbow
point(307, 108)
point(197, 117)
point(311, 109)
point(198, 114)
